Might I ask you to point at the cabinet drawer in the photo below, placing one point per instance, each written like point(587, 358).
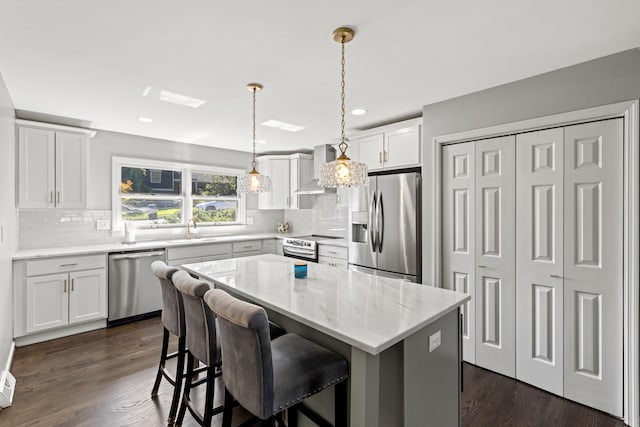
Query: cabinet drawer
point(195, 251)
point(178, 262)
point(252, 245)
point(333, 262)
point(61, 265)
point(333, 251)
point(248, 253)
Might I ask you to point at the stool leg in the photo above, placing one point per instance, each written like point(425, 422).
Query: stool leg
point(227, 411)
point(342, 415)
point(179, 377)
point(163, 358)
point(187, 390)
point(209, 396)
point(292, 416)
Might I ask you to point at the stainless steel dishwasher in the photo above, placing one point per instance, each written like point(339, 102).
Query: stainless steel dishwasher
point(134, 291)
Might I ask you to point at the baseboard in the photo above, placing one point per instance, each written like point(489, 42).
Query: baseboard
point(59, 333)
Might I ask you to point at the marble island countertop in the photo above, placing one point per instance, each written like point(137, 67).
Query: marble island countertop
point(369, 312)
point(141, 245)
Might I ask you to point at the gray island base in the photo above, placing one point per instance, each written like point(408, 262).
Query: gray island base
point(402, 340)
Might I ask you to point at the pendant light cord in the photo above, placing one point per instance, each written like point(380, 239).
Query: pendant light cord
point(343, 144)
point(253, 163)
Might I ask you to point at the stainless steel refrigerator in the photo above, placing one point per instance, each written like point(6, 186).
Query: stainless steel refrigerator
point(384, 226)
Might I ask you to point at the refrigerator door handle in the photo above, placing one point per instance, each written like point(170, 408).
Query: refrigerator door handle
point(380, 222)
point(372, 227)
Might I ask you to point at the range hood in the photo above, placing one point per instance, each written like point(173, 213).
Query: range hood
point(321, 154)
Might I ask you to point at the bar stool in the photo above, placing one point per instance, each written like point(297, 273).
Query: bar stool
point(202, 345)
point(266, 377)
point(173, 323)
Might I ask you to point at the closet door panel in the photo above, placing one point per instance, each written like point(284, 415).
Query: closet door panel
point(593, 254)
point(495, 254)
point(458, 262)
point(539, 259)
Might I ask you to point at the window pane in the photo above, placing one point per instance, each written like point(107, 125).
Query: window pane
point(163, 211)
point(215, 210)
point(209, 184)
point(150, 181)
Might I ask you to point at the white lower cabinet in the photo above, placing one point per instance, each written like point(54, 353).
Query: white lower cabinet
point(60, 299)
point(334, 256)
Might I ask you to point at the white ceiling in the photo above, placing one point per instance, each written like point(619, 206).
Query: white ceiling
point(91, 60)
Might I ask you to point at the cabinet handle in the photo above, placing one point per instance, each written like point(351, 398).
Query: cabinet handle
point(333, 252)
point(50, 197)
point(386, 156)
point(72, 282)
point(555, 276)
point(58, 197)
point(65, 286)
point(482, 266)
point(380, 156)
point(69, 265)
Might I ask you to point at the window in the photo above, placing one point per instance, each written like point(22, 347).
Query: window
point(152, 192)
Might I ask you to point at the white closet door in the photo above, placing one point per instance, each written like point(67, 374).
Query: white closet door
point(495, 254)
point(458, 243)
point(593, 265)
point(539, 259)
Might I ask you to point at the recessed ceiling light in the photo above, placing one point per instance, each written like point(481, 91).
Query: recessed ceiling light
point(176, 98)
point(359, 112)
point(145, 119)
point(146, 90)
point(261, 141)
point(283, 126)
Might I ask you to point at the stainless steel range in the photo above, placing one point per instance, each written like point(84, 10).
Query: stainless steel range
point(304, 247)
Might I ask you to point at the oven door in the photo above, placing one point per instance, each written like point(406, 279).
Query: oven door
point(299, 253)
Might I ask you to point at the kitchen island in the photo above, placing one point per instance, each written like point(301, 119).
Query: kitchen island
point(402, 340)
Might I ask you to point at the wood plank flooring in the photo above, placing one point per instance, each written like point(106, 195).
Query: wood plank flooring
point(104, 378)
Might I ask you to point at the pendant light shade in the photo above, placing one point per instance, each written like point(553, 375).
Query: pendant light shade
point(343, 172)
point(254, 182)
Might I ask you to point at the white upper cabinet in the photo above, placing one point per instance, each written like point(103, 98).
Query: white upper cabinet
point(390, 147)
point(52, 168)
point(287, 173)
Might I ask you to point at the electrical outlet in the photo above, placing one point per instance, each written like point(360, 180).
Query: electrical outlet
point(435, 340)
point(103, 224)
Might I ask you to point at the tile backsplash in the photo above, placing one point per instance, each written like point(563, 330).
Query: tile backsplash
point(46, 228)
point(325, 218)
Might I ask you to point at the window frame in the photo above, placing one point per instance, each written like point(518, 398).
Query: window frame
point(186, 196)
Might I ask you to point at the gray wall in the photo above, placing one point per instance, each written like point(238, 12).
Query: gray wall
point(605, 80)
point(7, 219)
point(107, 144)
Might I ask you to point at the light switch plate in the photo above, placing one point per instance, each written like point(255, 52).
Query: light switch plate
point(103, 224)
point(435, 340)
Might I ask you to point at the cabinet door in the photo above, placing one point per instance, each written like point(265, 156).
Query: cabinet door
point(278, 171)
point(458, 234)
point(539, 259)
point(593, 265)
point(71, 176)
point(495, 255)
point(368, 150)
point(47, 302)
point(36, 168)
point(402, 147)
point(87, 295)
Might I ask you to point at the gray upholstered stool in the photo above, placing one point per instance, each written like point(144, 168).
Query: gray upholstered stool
point(173, 323)
point(266, 377)
point(202, 344)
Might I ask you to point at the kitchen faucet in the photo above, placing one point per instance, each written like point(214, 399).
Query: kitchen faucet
point(195, 225)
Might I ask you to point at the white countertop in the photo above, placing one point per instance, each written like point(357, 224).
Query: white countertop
point(369, 312)
point(151, 244)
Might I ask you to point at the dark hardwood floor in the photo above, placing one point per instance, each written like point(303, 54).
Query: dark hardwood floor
point(104, 378)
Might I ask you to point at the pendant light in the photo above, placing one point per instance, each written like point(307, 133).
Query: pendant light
point(343, 172)
point(253, 182)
